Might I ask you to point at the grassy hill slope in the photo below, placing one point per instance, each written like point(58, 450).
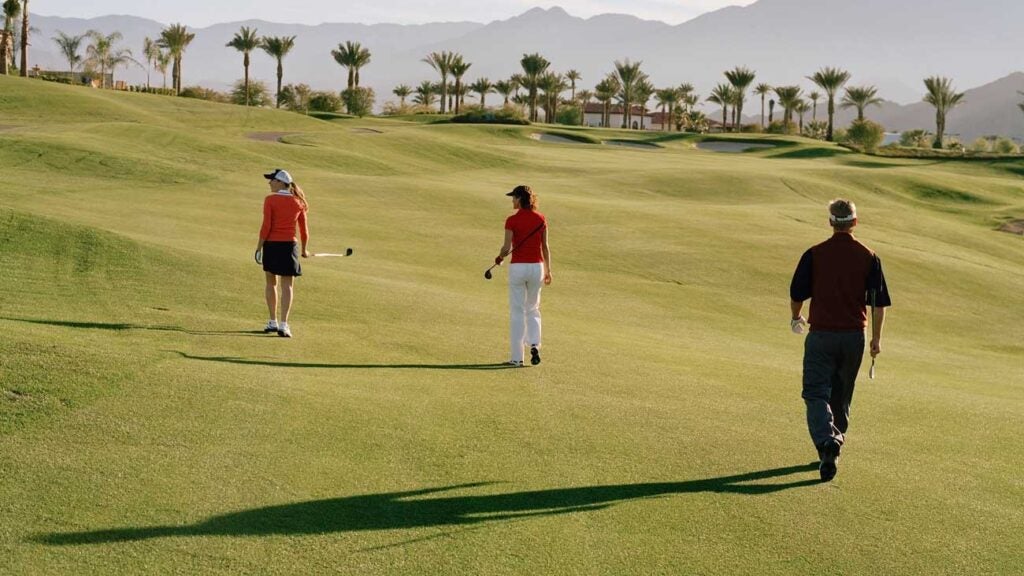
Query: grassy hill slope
point(145, 426)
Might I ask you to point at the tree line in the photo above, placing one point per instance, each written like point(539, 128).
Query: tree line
point(626, 86)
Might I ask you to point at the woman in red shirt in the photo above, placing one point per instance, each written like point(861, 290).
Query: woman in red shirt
point(526, 238)
point(284, 208)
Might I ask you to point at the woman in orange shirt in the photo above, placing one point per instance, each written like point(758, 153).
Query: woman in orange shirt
point(277, 250)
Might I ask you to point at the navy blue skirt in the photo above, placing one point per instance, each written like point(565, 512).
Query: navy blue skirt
point(281, 258)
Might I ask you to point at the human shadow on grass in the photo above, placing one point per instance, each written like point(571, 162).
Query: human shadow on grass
point(279, 364)
point(411, 509)
point(125, 326)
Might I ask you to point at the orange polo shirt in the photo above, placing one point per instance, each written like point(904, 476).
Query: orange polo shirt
point(281, 212)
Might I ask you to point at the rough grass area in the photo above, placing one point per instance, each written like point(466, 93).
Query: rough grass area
point(148, 426)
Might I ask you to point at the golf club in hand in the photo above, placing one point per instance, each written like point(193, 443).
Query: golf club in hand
point(499, 259)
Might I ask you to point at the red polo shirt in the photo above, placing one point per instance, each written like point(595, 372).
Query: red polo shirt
point(526, 238)
point(281, 212)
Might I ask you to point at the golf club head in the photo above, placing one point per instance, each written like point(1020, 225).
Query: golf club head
point(348, 252)
point(487, 275)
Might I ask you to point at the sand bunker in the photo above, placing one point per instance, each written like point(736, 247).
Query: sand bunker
point(552, 139)
point(731, 147)
point(269, 136)
point(1013, 227)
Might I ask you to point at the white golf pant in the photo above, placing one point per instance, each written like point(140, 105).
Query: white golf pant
point(524, 282)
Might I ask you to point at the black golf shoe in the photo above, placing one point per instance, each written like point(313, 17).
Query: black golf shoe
point(829, 461)
point(534, 355)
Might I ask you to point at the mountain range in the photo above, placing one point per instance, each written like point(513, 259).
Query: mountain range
point(892, 44)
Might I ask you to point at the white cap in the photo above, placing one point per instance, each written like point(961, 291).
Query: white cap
point(280, 175)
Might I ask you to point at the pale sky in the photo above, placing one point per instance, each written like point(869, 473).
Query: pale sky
point(202, 13)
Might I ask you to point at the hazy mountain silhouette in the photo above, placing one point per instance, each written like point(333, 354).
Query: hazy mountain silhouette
point(892, 44)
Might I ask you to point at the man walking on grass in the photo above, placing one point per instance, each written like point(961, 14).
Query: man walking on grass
point(841, 277)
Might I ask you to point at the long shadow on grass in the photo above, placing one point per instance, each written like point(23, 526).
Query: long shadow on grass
point(278, 364)
point(406, 510)
point(125, 326)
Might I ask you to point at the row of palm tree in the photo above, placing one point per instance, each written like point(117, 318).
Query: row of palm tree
point(246, 40)
point(12, 11)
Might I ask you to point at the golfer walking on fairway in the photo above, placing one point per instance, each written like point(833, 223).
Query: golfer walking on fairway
point(526, 238)
point(283, 208)
point(841, 276)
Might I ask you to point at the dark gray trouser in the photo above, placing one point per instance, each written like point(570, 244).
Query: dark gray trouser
point(831, 363)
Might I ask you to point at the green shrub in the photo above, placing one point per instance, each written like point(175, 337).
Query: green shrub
point(980, 145)
point(568, 115)
point(359, 101)
point(916, 139)
point(865, 134)
point(324, 102)
point(752, 128)
point(1005, 146)
point(258, 93)
point(506, 115)
point(778, 127)
point(201, 93)
point(816, 129)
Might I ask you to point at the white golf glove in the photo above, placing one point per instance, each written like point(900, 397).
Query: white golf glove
point(798, 325)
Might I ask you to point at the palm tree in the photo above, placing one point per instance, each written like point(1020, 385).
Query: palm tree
point(483, 87)
point(741, 78)
point(163, 59)
point(830, 80)
point(801, 108)
point(277, 47)
point(69, 46)
point(534, 67)
point(11, 9)
point(860, 97)
point(667, 98)
point(425, 94)
point(458, 69)
point(644, 90)
point(552, 85)
point(442, 63)
point(628, 74)
point(789, 99)
point(583, 97)
point(944, 98)
point(814, 96)
point(245, 41)
point(353, 57)
point(572, 76)
point(24, 38)
point(605, 92)
point(402, 91)
point(103, 55)
point(176, 38)
point(505, 88)
point(723, 96)
point(762, 90)
point(151, 52)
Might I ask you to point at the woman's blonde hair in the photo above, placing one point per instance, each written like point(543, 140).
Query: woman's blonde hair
point(527, 197)
point(298, 193)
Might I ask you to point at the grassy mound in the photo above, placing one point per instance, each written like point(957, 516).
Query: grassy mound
point(147, 425)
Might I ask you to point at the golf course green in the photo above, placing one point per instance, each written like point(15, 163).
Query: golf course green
point(147, 426)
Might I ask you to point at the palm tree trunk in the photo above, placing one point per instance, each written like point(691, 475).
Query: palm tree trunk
point(725, 117)
point(280, 76)
point(246, 64)
point(940, 129)
point(24, 38)
point(831, 116)
point(762, 111)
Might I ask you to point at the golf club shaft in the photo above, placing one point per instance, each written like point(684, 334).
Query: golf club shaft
point(509, 253)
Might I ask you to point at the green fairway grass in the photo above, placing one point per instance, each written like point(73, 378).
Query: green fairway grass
point(147, 426)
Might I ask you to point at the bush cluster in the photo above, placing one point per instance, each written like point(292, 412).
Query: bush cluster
point(506, 115)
